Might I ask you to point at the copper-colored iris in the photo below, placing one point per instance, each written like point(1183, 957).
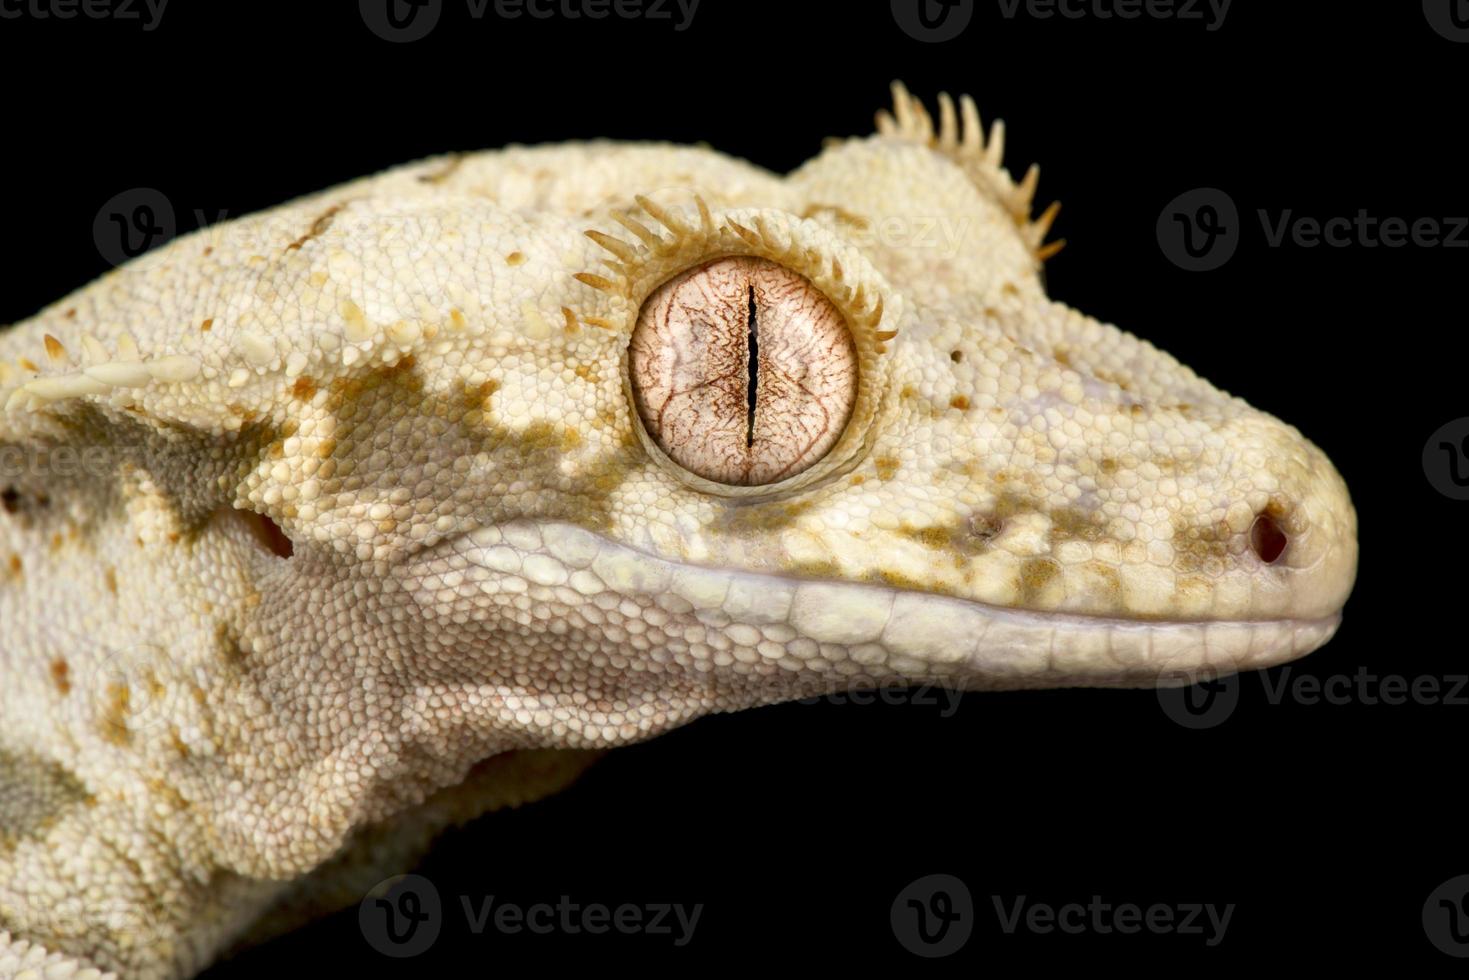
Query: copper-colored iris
point(743, 372)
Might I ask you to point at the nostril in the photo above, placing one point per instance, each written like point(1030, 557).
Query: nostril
point(1267, 540)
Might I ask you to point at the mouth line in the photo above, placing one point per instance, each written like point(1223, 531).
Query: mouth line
point(897, 630)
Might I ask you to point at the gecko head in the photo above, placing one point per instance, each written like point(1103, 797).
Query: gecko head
point(564, 446)
point(699, 438)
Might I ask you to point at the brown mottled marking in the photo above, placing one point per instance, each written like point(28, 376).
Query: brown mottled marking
point(956, 356)
point(60, 675)
point(318, 226)
point(477, 397)
point(1036, 575)
point(114, 723)
point(515, 258)
point(16, 566)
point(960, 402)
point(10, 500)
point(842, 215)
point(887, 467)
point(304, 389)
point(207, 325)
point(71, 314)
point(109, 578)
point(54, 350)
point(443, 174)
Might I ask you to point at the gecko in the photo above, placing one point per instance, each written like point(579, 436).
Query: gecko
point(329, 527)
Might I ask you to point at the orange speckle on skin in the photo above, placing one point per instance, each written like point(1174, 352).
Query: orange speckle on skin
point(515, 258)
point(61, 675)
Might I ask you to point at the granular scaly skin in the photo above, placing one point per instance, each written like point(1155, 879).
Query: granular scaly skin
point(335, 524)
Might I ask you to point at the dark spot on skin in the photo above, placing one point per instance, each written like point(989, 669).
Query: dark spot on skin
point(71, 314)
point(956, 356)
point(207, 325)
point(60, 676)
point(304, 389)
point(960, 402)
point(10, 500)
point(887, 467)
point(229, 643)
point(109, 578)
point(1108, 465)
point(17, 567)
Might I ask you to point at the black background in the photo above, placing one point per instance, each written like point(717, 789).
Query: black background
point(1328, 825)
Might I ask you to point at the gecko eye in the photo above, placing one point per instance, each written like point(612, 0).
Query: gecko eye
point(744, 373)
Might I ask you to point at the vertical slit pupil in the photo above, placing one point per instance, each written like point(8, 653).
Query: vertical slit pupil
point(751, 371)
